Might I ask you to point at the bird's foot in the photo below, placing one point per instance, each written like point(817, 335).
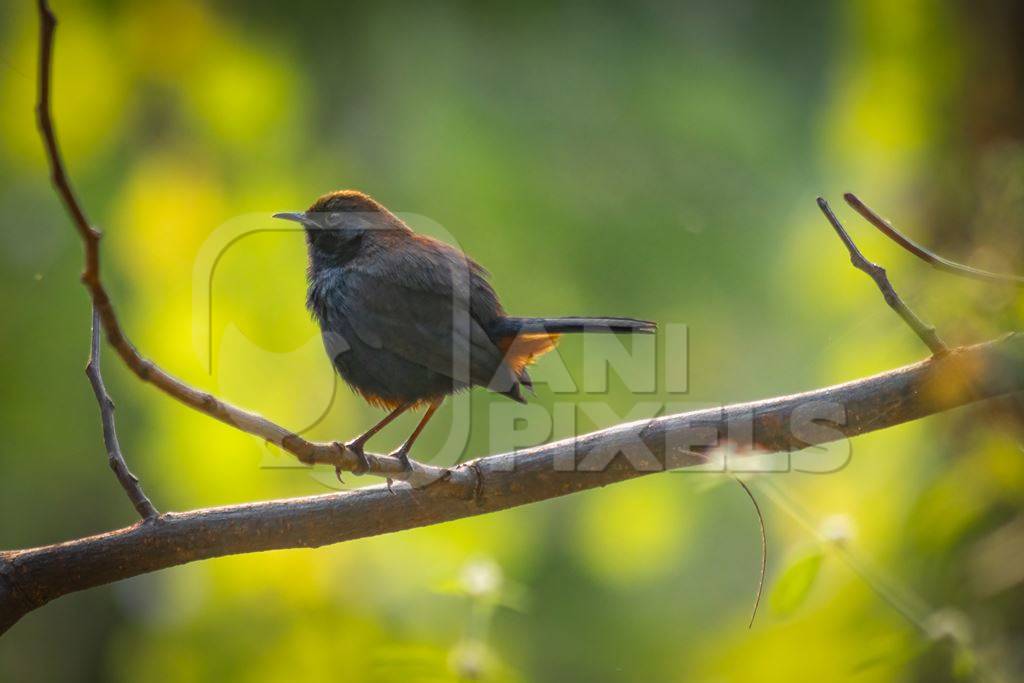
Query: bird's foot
point(356, 446)
point(403, 456)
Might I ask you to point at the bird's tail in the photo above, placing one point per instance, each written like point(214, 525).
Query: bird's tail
point(522, 340)
point(510, 327)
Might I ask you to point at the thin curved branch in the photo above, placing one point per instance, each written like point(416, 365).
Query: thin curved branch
point(924, 331)
point(31, 578)
point(929, 257)
point(129, 482)
point(308, 452)
point(764, 549)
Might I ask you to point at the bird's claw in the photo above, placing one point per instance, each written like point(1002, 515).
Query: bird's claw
point(403, 456)
point(357, 448)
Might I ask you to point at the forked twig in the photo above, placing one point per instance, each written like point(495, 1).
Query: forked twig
point(925, 332)
point(307, 452)
point(129, 482)
point(930, 257)
point(939, 263)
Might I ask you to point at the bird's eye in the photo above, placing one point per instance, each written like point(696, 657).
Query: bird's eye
point(334, 219)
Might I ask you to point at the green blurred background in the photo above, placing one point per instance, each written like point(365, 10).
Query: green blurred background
point(654, 159)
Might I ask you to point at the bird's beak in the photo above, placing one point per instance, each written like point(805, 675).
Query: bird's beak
point(298, 217)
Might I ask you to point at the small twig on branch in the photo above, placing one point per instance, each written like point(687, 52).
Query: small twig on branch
point(930, 257)
point(129, 482)
point(308, 452)
point(1016, 402)
point(925, 332)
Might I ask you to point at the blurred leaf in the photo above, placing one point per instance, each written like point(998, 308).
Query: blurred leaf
point(795, 584)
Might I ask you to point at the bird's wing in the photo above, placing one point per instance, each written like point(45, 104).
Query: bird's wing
point(419, 305)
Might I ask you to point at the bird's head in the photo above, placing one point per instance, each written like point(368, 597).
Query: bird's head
point(336, 223)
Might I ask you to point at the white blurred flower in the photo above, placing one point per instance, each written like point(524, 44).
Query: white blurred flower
point(948, 623)
point(481, 578)
point(470, 660)
point(838, 529)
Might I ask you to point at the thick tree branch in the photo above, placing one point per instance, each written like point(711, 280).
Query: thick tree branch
point(129, 482)
point(33, 577)
point(925, 332)
point(929, 257)
point(306, 451)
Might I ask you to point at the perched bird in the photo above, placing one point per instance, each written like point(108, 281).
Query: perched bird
point(407, 319)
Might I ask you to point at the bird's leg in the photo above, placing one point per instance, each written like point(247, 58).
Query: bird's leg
point(403, 452)
point(356, 444)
